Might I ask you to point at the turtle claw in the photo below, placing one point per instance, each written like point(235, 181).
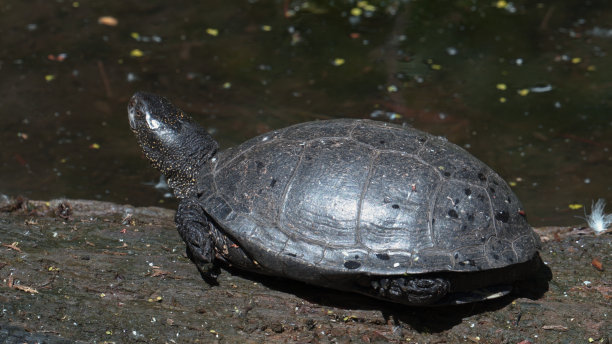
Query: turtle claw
point(209, 273)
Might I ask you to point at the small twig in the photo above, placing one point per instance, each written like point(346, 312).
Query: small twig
point(13, 246)
point(105, 81)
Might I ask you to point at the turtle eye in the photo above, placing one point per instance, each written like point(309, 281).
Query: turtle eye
point(152, 122)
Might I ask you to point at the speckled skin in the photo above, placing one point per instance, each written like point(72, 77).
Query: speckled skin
point(356, 205)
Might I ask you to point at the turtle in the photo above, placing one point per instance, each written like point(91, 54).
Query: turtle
point(356, 205)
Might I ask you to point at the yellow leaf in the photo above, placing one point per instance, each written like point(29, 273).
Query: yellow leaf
point(501, 87)
point(391, 88)
point(338, 61)
point(212, 32)
point(136, 53)
point(356, 12)
point(523, 92)
point(575, 206)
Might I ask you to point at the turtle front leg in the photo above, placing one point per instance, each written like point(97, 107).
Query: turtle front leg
point(195, 229)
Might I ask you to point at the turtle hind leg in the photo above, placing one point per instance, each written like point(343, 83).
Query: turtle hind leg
point(417, 291)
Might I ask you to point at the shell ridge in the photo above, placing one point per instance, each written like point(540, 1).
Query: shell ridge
point(350, 132)
point(430, 211)
point(283, 198)
point(373, 157)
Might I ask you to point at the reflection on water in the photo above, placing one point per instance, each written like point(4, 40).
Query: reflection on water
point(524, 86)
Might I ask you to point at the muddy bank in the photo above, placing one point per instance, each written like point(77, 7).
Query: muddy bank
point(86, 271)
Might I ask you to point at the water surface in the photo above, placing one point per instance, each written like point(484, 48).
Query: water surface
point(522, 85)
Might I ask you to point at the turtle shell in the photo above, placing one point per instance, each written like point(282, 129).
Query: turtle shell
point(350, 196)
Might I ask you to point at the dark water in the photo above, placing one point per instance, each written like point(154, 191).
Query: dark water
point(525, 86)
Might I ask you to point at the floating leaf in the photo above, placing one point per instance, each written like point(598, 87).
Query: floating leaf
point(523, 92)
point(108, 21)
point(338, 61)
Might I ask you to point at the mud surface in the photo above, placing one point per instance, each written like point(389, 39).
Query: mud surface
point(93, 272)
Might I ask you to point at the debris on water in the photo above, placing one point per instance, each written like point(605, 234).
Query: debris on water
point(108, 21)
point(136, 53)
point(162, 184)
point(598, 220)
point(575, 206)
point(338, 62)
point(59, 57)
point(600, 32)
point(136, 36)
point(385, 114)
point(433, 66)
point(541, 89)
point(212, 32)
point(131, 77)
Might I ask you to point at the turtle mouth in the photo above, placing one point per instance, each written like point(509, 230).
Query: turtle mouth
point(132, 106)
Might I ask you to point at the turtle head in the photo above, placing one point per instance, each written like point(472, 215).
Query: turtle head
point(174, 144)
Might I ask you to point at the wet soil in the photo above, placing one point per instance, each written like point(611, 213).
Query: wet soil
point(95, 272)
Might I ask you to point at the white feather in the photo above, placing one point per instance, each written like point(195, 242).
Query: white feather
point(598, 220)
